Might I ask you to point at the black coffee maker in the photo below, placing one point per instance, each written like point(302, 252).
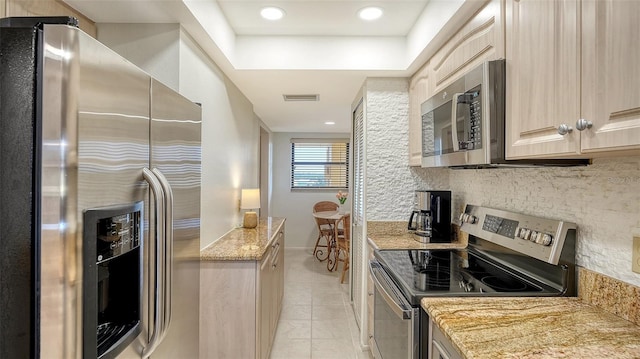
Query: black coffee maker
point(430, 219)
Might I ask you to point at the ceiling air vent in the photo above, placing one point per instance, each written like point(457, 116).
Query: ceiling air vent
point(315, 97)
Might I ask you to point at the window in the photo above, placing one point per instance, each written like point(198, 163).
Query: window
point(319, 163)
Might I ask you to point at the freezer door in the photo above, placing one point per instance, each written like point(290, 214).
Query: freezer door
point(95, 142)
point(176, 155)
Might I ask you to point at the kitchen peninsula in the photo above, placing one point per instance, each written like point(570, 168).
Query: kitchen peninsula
point(242, 285)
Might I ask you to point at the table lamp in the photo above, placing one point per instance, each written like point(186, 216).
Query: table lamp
point(250, 199)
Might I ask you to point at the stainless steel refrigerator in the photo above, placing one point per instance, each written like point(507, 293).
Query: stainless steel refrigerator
point(99, 201)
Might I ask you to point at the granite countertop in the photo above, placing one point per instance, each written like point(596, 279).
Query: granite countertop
point(394, 235)
point(532, 327)
point(244, 244)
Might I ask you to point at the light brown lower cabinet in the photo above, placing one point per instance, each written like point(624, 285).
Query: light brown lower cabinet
point(370, 304)
point(241, 303)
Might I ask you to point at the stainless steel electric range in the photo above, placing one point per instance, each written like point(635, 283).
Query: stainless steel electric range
point(509, 254)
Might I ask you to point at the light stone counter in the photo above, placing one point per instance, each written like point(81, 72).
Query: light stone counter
point(538, 327)
point(394, 235)
point(602, 322)
point(244, 244)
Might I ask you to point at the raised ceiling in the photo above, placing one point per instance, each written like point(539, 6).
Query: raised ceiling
point(319, 47)
point(322, 18)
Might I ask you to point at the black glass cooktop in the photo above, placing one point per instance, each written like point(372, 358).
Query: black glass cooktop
point(421, 273)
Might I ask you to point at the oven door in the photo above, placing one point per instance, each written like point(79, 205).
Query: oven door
point(396, 323)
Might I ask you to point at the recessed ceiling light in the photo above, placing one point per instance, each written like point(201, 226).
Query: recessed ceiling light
point(370, 13)
point(329, 123)
point(272, 13)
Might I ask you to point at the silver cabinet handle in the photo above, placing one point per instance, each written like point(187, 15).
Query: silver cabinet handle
point(563, 129)
point(156, 260)
point(583, 124)
point(168, 250)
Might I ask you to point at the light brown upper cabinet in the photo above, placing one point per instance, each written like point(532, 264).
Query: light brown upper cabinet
point(478, 39)
point(420, 89)
point(610, 75)
point(572, 77)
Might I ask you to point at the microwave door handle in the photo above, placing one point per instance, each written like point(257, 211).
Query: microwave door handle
point(454, 122)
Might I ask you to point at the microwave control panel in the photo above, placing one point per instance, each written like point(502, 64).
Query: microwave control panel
point(473, 120)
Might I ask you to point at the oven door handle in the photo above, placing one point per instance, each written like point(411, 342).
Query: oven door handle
point(389, 292)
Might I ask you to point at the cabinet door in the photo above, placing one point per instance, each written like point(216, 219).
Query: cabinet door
point(277, 283)
point(611, 74)
point(543, 77)
point(280, 276)
point(264, 299)
point(370, 298)
point(479, 40)
point(419, 91)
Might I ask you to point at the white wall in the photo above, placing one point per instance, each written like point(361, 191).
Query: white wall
point(152, 47)
point(230, 140)
point(603, 199)
point(434, 16)
point(296, 205)
point(230, 129)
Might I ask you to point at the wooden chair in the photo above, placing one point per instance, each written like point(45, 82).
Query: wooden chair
point(343, 242)
point(325, 228)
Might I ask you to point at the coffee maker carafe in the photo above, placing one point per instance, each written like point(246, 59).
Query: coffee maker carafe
point(430, 219)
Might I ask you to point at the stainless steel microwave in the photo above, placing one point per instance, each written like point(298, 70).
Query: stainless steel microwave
point(464, 124)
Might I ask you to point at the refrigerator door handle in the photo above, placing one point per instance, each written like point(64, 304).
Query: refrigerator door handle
point(158, 298)
point(168, 245)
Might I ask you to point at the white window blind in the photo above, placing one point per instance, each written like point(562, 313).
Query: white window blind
point(358, 239)
point(320, 163)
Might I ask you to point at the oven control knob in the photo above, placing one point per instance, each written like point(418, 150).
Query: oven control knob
point(526, 234)
point(471, 219)
point(546, 239)
point(537, 238)
point(466, 286)
point(533, 236)
point(461, 218)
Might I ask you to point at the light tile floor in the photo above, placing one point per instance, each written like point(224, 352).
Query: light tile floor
point(317, 318)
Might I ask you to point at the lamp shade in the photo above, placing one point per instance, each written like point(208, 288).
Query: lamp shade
point(250, 198)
